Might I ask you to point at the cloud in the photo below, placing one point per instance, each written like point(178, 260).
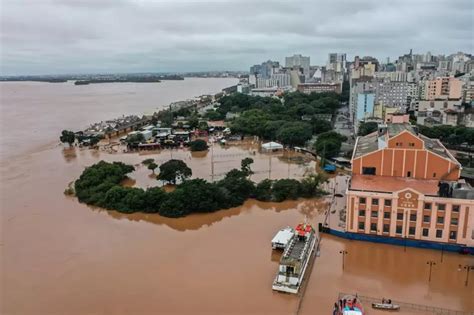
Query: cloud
point(66, 36)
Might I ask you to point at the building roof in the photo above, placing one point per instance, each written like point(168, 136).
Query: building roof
point(272, 146)
point(366, 144)
point(390, 184)
point(373, 142)
point(395, 129)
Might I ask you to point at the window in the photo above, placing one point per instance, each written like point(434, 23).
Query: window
point(362, 200)
point(453, 235)
point(386, 228)
point(440, 220)
point(373, 227)
point(408, 174)
point(361, 213)
point(374, 214)
point(425, 232)
point(427, 206)
point(386, 215)
point(375, 202)
point(426, 219)
point(368, 170)
point(441, 206)
point(411, 230)
point(439, 233)
point(411, 144)
point(455, 208)
point(454, 221)
point(387, 203)
point(400, 216)
point(434, 174)
point(413, 217)
point(361, 226)
point(398, 229)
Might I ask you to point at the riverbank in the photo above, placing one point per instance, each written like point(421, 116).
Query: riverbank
point(34, 113)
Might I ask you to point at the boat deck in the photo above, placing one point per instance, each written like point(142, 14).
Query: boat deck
point(297, 249)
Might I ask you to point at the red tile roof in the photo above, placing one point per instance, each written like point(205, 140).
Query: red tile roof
point(391, 184)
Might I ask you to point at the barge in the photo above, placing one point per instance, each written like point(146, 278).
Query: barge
point(295, 259)
point(282, 238)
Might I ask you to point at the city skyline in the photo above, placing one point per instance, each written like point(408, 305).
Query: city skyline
point(58, 37)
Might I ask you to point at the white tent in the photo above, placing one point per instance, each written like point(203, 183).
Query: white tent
point(271, 146)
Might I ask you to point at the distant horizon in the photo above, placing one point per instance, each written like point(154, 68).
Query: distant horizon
point(117, 73)
point(280, 60)
point(111, 36)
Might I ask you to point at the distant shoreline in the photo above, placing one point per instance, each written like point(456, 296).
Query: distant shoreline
point(92, 79)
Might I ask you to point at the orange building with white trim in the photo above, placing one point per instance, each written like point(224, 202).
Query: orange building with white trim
point(406, 185)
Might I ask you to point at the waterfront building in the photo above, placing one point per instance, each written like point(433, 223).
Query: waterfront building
point(264, 70)
point(308, 88)
point(298, 61)
point(266, 92)
point(406, 186)
point(275, 80)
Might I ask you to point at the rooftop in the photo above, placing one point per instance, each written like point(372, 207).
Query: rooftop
point(391, 184)
point(373, 142)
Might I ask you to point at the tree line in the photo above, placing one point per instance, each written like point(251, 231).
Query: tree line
point(292, 120)
point(100, 185)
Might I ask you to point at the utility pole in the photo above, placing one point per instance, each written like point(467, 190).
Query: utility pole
point(442, 252)
point(212, 161)
point(343, 252)
point(270, 165)
point(431, 263)
point(468, 269)
point(289, 160)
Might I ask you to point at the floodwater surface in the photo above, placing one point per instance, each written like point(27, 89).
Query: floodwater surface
point(62, 257)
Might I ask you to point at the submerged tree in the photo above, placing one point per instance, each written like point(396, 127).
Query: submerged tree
point(174, 170)
point(152, 166)
point(67, 137)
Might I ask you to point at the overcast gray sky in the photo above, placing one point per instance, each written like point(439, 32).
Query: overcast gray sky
point(80, 36)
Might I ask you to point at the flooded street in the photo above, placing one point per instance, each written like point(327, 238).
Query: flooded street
point(62, 257)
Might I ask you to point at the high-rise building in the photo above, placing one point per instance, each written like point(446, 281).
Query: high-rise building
point(443, 88)
point(395, 93)
point(406, 186)
point(365, 106)
point(298, 61)
point(264, 70)
point(337, 62)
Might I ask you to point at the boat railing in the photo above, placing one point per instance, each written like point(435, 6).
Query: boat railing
point(367, 300)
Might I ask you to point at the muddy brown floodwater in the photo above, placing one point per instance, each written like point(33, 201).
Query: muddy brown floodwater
point(62, 257)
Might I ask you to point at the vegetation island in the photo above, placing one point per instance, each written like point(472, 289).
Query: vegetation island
point(100, 185)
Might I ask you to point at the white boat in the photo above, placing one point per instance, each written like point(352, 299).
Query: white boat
point(295, 259)
point(282, 238)
point(386, 306)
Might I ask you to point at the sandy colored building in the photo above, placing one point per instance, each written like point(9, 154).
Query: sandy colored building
point(405, 185)
point(443, 88)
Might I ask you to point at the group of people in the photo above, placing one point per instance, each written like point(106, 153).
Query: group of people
point(386, 301)
point(344, 304)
